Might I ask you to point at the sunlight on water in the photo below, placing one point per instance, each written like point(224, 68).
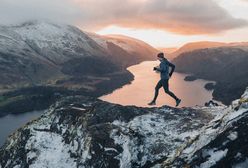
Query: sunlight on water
point(141, 90)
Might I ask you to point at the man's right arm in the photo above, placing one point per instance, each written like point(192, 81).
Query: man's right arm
point(159, 69)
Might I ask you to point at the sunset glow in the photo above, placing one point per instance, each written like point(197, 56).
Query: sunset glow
point(162, 38)
point(161, 23)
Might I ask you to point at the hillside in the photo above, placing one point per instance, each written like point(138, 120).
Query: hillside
point(32, 50)
point(41, 62)
point(168, 52)
point(125, 50)
point(223, 64)
point(204, 44)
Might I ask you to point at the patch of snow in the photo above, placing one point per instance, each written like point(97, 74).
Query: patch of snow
point(159, 137)
point(215, 156)
point(235, 114)
point(238, 155)
point(220, 123)
point(110, 149)
point(58, 41)
point(86, 151)
point(77, 108)
point(50, 151)
point(126, 156)
point(232, 136)
point(209, 132)
point(242, 164)
point(16, 166)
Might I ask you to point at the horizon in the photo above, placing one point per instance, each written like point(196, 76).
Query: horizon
point(162, 24)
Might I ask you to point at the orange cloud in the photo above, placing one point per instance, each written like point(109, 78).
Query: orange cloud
point(183, 17)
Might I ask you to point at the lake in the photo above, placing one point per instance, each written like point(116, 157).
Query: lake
point(141, 89)
point(9, 123)
point(138, 93)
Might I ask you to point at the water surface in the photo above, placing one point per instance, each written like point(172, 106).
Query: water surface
point(141, 90)
point(9, 123)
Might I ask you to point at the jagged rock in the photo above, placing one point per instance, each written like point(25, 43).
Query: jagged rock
point(211, 103)
point(84, 132)
point(223, 143)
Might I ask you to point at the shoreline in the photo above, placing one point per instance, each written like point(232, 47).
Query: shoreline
point(24, 100)
point(218, 94)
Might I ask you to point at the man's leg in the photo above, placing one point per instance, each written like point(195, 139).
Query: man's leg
point(165, 84)
point(158, 86)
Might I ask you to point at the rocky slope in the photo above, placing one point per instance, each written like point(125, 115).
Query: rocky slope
point(85, 132)
point(82, 132)
point(225, 65)
point(223, 143)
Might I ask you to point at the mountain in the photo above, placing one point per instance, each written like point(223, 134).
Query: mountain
point(19, 63)
point(225, 65)
point(40, 52)
point(37, 49)
point(125, 49)
point(85, 132)
point(41, 62)
point(133, 46)
point(168, 52)
point(202, 45)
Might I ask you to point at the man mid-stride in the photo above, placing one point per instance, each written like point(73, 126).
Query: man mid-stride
point(164, 81)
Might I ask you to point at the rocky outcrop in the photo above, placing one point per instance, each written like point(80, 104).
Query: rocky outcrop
point(84, 132)
point(223, 143)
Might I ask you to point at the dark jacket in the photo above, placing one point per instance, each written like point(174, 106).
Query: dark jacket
point(164, 69)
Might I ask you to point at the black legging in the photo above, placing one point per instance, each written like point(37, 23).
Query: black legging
point(165, 84)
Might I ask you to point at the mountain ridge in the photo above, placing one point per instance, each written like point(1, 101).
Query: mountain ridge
point(85, 132)
point(191, 46)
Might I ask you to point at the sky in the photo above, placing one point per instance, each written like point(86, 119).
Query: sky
point(161, 23)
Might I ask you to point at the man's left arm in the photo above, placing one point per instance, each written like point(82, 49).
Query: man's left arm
point(172, 68)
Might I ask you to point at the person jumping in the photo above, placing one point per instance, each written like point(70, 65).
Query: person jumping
point(164, 81)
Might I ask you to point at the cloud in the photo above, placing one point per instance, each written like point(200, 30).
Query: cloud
point(16, 11)
point(179, 16)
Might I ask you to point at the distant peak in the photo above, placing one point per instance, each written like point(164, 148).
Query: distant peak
point(33, 23)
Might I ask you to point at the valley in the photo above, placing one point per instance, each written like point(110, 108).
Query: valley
point(42, 61)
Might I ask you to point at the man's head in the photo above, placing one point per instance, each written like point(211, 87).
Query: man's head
point(160, 56)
